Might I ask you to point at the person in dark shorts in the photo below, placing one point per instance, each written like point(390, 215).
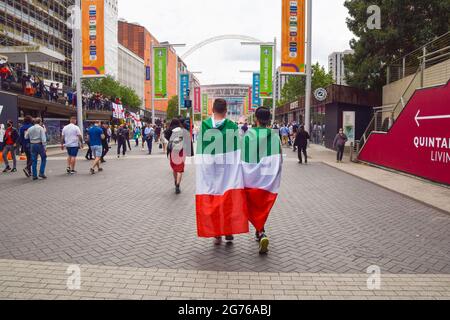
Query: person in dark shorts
point(73, 141)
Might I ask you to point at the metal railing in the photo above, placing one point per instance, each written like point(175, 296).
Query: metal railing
point(431, 54)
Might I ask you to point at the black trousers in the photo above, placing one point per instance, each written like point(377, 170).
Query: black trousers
point(128, 142)
point(340, 153)
point(27, 151)
point(302, 150)
point(105, 150)
point(89, 152)
point(121, 144)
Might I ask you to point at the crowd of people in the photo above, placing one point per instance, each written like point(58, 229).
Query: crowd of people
point(243, 176)
point(13, 77)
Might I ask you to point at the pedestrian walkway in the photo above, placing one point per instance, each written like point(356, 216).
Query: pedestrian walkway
point(436, 195)
point(44, 280)
point(326, 223)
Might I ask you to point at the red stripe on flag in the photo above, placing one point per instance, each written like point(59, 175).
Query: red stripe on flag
point(259, 204)
point(222, 215)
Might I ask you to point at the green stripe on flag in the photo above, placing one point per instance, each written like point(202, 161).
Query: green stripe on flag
point(224, 139)
point(259, 143)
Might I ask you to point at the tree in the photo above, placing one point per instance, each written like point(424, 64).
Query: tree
point(172, 109)
point(405, 26)
point(112, 89)
point(296, 86)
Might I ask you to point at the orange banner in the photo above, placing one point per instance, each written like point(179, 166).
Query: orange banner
point(293, 36)
point(93, 37)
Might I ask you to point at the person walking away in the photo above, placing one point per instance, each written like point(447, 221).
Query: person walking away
point(105, 145)
point(339, 144)
point(294, 134)
point(220, 196)
point(114, 134)
point(9, 146)
point(72, 139)
point(121, 141)
point(284, 131)
point(178, 150)
point(89, 151)
point(157, 134)
point(137, 135)
point(261, 165)
point(38, 141)
point(27, 124)
point(96, 137)
point(149, 133)
point(301, 142)
point(109, 134)
point(127, 136)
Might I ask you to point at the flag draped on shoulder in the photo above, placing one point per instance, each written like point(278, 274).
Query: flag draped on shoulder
point(261, 164)
point(221, 204)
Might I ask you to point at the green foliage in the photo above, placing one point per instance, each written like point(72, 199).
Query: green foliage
point(296, 86)
point(405, 26)
point(112, 89)
point(172, 109)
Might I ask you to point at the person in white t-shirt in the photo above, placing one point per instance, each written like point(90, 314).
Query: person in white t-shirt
point(73, 141)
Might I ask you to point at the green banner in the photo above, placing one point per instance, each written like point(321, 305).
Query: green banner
point(160, 72)
point(204, 104)
point(266, 72)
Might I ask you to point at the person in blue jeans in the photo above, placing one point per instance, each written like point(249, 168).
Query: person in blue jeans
point(96, 136)
point(38, 142)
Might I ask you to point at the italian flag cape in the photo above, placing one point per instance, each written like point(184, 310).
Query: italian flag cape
point(237, 179)
point(261, 164)
point(220, 198)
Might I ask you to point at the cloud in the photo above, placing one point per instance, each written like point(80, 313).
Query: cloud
point(192, 21)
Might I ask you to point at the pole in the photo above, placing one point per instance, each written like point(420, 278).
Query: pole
point(153, 80)
point(308, 71)
point(78, 65)
point(178, 89)
point(274, 84)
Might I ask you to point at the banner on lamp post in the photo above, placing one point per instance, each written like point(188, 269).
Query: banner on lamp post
point(160, 69)
point(197, 100)
point(266, 72)
point(204, 104)
point(293, 36)
point(255, 100)
point(93, 37)
point(184, 87)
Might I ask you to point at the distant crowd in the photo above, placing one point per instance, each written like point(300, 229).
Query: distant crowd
point(14, 78)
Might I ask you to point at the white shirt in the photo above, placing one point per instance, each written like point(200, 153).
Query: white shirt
point(71, 135)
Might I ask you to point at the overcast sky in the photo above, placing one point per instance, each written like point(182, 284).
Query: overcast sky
point(192, 21)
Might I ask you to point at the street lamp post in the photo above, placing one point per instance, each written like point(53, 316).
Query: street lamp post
point(78, 64)
point(308, 70)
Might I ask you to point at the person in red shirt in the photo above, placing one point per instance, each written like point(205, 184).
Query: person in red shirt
point(5, 76)
point(10, 143)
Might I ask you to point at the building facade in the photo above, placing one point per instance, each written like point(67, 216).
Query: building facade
point(336, 66)
point(111, 38)
point(234, 94)
point(139, 40)
point(131, 71)
point(40, 23)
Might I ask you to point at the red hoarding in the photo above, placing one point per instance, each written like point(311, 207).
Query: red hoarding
point(419, 141)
